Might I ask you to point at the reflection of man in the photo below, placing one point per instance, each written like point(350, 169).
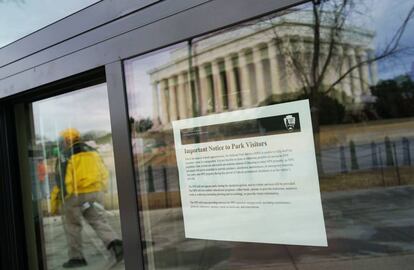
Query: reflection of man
point(41, 176)
point(84, 180)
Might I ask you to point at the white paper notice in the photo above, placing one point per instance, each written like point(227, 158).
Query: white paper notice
point(251, 176)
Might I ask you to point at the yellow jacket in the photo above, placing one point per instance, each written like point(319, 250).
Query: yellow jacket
point(85, 173)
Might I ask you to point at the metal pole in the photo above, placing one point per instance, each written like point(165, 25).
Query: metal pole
point(381, 166)
point(164, 170)
point(396, 165)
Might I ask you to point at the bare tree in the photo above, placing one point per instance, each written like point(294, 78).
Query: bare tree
point(329, 28)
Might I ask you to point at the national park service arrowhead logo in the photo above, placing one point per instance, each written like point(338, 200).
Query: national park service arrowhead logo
point(290, 122)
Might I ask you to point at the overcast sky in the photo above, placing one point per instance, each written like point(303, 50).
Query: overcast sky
point(86, 110)
point(385, 18)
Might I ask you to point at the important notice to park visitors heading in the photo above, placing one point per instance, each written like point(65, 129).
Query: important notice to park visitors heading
point(251, 176)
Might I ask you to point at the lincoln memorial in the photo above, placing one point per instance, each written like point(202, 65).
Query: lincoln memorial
point(259, 63)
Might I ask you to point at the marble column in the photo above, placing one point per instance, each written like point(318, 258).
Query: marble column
point(155, 104)
point(364, 71)
point(324, 51)
point(164, 101)
point(274, 67)
point(245, 83)
point(337, 65)
point(231, 82)
point(188, 94)
point(204, 89)
point(182, 103)
point(286, 66)
point(218, 85)
point(193, 92)
point(260, 78)
point(355, 85)
point(173, 98)
point(332, 70)
point(211, 89)
point(373, 68)
point(297, 50)
point(346, 81)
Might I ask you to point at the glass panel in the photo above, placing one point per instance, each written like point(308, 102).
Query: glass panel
point(68, 172)
point(353, 61)
point(19, 18)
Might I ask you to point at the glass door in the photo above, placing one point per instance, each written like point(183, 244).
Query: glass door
point(284, 142)
point(69, 185)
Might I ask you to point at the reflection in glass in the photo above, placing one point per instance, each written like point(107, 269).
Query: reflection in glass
point(355, 67)
point(73, 181)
